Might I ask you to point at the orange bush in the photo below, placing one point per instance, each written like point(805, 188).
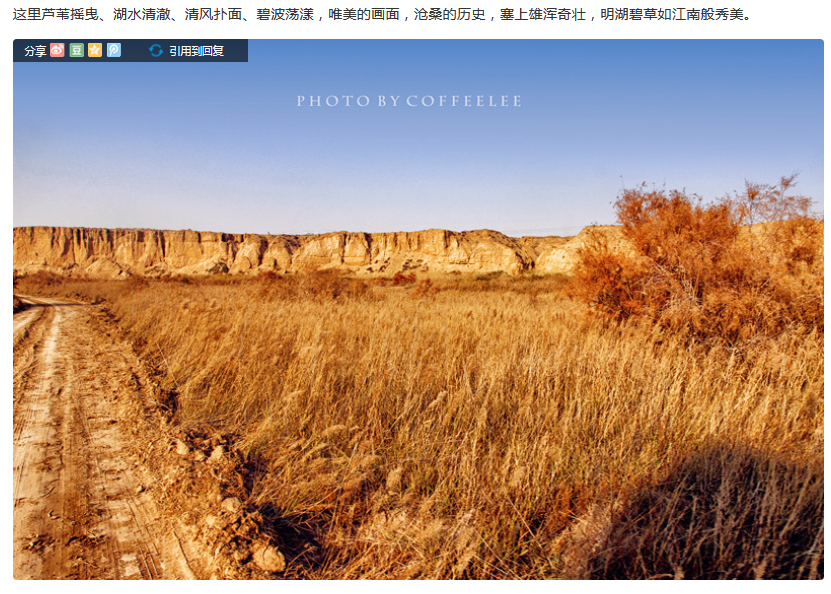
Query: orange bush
point(403, 279)
point(425, 288)
point(739, 268)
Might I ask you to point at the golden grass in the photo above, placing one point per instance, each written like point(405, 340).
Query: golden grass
point(488, 429)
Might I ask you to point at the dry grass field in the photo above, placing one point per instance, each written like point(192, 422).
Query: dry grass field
point(489, 429)
point(493, 427)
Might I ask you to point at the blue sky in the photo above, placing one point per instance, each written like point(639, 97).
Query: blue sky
point(224, 147)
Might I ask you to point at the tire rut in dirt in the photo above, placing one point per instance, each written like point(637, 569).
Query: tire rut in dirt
point(36, 454)
point(78, 508)
point(27, 344)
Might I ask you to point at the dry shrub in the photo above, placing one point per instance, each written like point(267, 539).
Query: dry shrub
point(731, 271)
point(400, 278)
point(330, 284)
point(424, 289)
point(320, 285)
point(39, 279)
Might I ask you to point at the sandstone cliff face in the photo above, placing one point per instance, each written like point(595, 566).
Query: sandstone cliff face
point(120, 253)
point(563, 258)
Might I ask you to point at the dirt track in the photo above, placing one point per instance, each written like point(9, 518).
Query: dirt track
point(84, 506)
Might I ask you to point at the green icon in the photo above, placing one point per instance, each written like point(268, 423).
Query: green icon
point(76, 50)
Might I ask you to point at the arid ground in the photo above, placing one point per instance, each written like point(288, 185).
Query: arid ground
point(81, 509)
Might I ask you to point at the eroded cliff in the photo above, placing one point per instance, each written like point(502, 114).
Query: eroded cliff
point(118, 253)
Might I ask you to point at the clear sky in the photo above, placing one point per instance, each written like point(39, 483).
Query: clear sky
point(224, 147)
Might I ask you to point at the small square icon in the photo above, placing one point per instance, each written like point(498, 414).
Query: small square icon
point(113, 50)
point(76, 50)
point(95, 50)
point(56, 50)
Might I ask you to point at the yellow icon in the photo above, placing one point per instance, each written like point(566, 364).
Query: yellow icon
point(95, 50)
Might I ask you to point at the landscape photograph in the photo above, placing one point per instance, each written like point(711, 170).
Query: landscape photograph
point(422, 309)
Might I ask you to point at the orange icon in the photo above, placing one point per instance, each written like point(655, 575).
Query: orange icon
point(95, 50)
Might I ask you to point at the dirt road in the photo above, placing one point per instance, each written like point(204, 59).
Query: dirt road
point(84, 506)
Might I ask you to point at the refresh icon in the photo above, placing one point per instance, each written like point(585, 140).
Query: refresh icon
point(156, 50)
